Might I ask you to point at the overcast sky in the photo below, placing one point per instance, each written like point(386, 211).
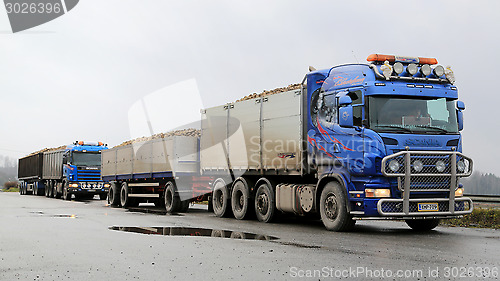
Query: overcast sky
point(78, 77)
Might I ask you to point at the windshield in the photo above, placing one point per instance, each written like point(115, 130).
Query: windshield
point(412, 115)
point(86, 159)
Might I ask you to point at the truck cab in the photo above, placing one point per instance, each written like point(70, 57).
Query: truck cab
point(82, 170)
point(390, 132)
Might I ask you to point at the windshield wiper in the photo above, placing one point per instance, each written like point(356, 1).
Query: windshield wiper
point(394, 127)
point(430, 127)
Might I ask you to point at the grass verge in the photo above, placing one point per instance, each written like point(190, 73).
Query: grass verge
point(12, 189)
point(480, 217)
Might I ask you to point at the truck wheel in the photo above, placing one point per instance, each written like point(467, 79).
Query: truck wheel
point(114, 194)
point(172, 201)
point(220, 199)
point(265, 206)
point(35, 190)
point(47, 188)
point(423, 225)
point(56, 194)
point(124, 198)
point(240, 200)
point(66, 194)
point(333, 208)
point(210, 204)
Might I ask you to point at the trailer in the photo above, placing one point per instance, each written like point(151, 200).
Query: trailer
point(30, 174)
point(163, 171)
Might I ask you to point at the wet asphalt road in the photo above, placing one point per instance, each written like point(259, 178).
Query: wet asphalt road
point(51, 239)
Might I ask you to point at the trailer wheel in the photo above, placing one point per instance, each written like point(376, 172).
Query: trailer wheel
point(265, 205)
point(172, 201)
point(114, 194)
point(240, 200)
point(220, 199)
point(66, 193)
point(125, 200)
point(423, 224)
point(333, 208)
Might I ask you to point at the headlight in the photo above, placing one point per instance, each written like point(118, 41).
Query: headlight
point(380, 192)
point(461, 166)
point(412, 69)
point(394, 165)
point(106, 185)
point(440, 166)
point(73, 185)
point(418, 165)
point(459, 192)
point(449, 75)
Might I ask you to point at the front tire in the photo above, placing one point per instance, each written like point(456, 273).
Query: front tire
point(422, 225)
point(333, 209)
point(66, 193)
point(220, 199)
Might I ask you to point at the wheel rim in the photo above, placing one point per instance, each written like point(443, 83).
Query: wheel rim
point(331, 206)
point(111, 195)
point(123, 196)
point(262, 203)
point(240, 200)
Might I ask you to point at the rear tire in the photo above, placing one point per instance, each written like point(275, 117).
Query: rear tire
point(171, 199)
point(56, 194)
point(114, 194)
point(265, 204)
point(240, 200)
point(333, 208)
point(47, 189)
point(220, 199)
point(422, 225)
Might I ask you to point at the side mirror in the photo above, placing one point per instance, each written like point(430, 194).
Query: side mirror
point(460, 120)
point(345, 100)
point(460, 114)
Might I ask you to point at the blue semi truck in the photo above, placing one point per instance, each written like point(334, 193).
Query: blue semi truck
point(379, 140)
point(64, 171)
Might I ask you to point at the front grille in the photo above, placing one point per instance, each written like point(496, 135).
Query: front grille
point(89, 175)
point(420, 183)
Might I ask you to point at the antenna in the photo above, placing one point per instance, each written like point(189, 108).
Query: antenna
point(354, 55)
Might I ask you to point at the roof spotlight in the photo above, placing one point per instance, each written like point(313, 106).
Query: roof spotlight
point(438, 71)
point(426, 70)
point(412, 69)
point(398, 68)
point(449, 74)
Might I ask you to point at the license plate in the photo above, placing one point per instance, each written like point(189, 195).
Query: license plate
point(428, 207)
point(91, 190)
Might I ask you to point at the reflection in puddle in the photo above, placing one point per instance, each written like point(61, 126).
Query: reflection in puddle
point(189, 231)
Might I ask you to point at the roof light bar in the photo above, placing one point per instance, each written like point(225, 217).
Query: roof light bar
point(402, 59)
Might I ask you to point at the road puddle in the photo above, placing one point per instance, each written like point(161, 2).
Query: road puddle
point(64, 216)
point(189, 231)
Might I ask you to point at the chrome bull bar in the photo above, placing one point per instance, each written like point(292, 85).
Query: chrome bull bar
point(426, 171)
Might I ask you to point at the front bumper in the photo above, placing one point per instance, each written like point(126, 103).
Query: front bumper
point(88, 188)
point(394, 207)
